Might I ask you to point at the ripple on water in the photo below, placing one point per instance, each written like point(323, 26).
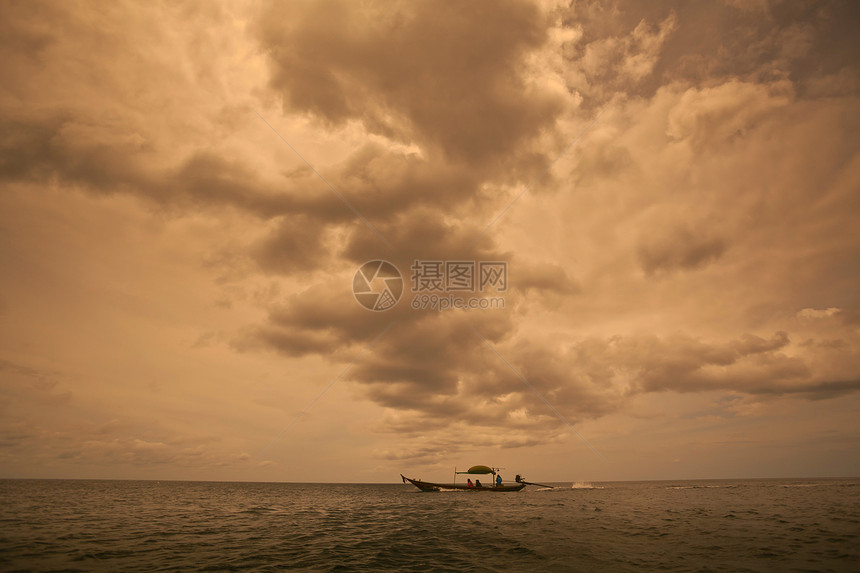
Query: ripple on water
point(142, 526)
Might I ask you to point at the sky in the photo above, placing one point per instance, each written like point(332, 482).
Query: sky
point(188, 191)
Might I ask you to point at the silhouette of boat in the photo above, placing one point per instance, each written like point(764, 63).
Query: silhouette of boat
point(477, 486)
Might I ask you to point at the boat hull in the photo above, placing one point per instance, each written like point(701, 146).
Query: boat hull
point(430, 486)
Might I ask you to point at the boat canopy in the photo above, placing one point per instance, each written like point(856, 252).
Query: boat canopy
point(480, 470)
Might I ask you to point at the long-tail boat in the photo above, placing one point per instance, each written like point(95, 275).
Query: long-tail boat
point(477, 486)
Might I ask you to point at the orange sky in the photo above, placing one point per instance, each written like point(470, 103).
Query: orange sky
point(673, 186)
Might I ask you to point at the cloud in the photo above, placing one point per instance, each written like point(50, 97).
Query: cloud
point(703, 44)
point(22, 383)
point(747, 365)
point(711, 116)
point(679, 248)
point(296, 243)
point(450, 80)
point(604, 65)
point(546, 277)
point(699, 240)
point(816, 313)
point(658, 196)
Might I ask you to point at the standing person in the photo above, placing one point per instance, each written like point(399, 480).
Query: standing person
point(499, 480)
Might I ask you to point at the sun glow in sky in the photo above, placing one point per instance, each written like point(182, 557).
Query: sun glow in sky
point(673, 187)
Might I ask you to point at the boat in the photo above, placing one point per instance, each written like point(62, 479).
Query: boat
point(474, 470)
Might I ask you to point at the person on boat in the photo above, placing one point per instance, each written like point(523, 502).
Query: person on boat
point(469, 483)
point(478, 483)
point(499, 480)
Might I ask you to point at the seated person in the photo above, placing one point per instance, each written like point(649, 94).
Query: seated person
point(478, 483)
point(469, 483)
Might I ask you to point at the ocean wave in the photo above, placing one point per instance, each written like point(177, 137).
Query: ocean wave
point(187, 526)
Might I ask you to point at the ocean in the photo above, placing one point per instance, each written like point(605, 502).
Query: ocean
point(720, 525)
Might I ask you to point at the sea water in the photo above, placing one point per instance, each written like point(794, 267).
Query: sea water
point(726, 525)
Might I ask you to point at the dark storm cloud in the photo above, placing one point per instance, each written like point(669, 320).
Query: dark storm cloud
point(543, 277)
point(479, 108)
point(51, 149)
point(424, 234)
point(383, 183)
point(296, 243)
point(379, 183)
point(446, 76)
point(796, 39)
point(457, 113)
point(748, 365)
point(678, 249)
point(435, 366)
point(591, 377)
point(637, 47)
point(407, 197)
